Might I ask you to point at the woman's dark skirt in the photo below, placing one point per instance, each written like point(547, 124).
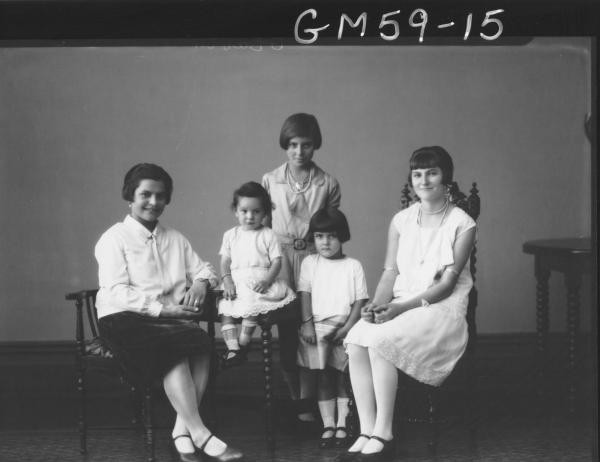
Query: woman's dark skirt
point(149, 347)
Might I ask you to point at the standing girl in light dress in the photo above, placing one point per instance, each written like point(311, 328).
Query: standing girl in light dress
point(250, 263)
point(332, 290)
point(416, 320)
point(298, 189)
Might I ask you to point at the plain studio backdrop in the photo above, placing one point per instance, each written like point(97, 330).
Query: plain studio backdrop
point(74, 119)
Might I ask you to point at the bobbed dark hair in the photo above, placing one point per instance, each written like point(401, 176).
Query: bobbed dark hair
point(301, 124)
point(432, 156)
point(252, 189)
point(145, 171)
point(329, 220)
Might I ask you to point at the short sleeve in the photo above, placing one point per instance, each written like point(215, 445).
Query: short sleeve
point(465, 224)
point(272, 244)
point(335, 196)
point(360, 283)
point(306, 271)
point(225, 250)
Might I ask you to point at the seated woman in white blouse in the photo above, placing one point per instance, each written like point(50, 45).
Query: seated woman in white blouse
point(147, 316)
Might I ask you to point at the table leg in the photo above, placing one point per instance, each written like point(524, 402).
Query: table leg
point(542, 322)
point(573, 283)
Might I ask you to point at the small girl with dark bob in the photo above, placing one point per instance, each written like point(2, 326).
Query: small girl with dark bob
point(250, 263)
point(332, 290)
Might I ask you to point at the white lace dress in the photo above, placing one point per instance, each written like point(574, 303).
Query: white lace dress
point(252, 252)
point(424, 342)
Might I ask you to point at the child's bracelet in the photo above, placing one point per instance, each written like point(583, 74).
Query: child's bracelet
point(225, 275)
point(306, 320)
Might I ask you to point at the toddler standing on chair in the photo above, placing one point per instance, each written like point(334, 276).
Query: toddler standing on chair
point(250, 262)
point(332, 290)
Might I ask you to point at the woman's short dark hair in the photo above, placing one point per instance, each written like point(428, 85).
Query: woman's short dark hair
point(145, 171)
point(329, 220)
point(252, 189)
point(301, 124)
point(432, 156)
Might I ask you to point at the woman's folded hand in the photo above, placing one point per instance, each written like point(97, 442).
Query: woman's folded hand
point(366, 312)
point(181, 312)
point(385, 312)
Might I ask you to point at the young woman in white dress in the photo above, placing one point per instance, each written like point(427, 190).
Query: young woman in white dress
point(416, 319)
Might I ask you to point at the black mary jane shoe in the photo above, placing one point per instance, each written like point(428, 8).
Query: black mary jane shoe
point(228, 455)
point(343, 441)
point(234, 358)
point(385, 455)
point(326, 443)
point(184, 456)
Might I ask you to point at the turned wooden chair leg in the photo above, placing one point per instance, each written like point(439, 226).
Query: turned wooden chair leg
point(82, 411)
point(148, 423)
point(432, 420)
point(268, 371)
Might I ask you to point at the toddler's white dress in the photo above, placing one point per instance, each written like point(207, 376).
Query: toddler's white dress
point(252, 253)
point(425, 342)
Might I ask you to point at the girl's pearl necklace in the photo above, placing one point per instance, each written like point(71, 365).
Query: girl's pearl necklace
point(298, 186)
point(445, 208)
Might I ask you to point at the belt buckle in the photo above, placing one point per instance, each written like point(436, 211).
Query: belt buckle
point(299, 244)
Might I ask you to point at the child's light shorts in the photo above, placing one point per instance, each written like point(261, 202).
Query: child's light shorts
point(323, 354)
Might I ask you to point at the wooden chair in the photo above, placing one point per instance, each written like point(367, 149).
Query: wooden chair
point(471, 204)
point(93, 354)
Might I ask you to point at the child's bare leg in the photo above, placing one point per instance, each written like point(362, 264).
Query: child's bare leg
point(248, 328)
point(326, 391)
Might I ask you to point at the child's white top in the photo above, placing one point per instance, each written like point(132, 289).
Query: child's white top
point(334, 284)
point(250, 248)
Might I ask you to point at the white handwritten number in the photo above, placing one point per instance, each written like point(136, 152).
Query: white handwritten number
point(487, 21)
point(468, 28)
point(389, 22)
point(313, 31)
point(421, 24)
point(345, 18)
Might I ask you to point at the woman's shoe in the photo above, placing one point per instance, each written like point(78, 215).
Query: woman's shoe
point(325, 443)
point(228, 455)
point(343, 441)
point(184, 456)
point(385, 455)
point(350, 456)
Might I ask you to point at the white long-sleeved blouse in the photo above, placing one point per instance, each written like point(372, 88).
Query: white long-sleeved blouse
point(144, 271)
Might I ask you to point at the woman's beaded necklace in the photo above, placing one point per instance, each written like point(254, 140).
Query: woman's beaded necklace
point(444, 208)
point(295, 185)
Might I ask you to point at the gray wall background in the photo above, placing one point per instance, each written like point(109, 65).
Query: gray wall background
point(73, 120)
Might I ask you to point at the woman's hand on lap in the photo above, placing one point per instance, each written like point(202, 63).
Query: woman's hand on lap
point(181, 312)
point(196, 294)
point(366, 313)
point(385, 312)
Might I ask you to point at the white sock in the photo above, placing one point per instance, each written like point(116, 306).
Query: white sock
point(342, 411)
point(327, 410)
point(248, 327)
point(230, 336)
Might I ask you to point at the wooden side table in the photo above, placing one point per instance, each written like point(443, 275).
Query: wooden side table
point(572, 257)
